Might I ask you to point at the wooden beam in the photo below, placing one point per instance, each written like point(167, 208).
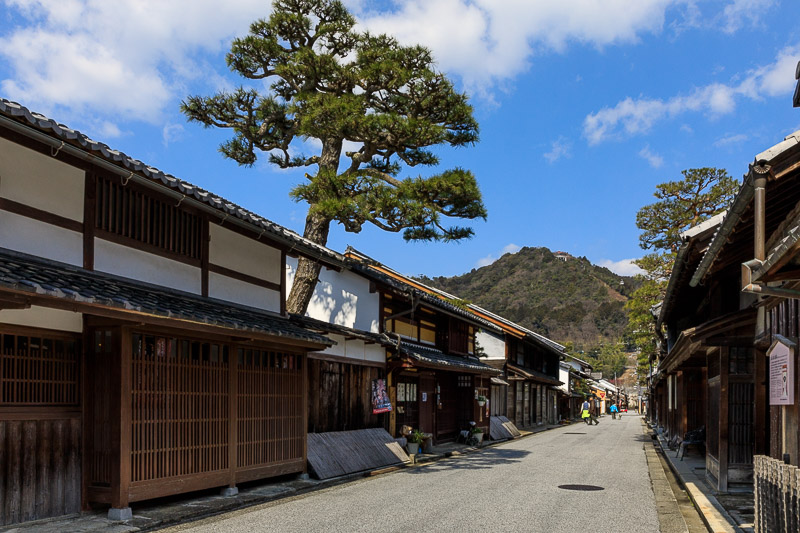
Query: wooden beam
point(745, 341)
point(724, 359)
point(89, 219)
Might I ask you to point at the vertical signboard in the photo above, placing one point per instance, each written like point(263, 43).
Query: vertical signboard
point(380, 399)
point(781, 372)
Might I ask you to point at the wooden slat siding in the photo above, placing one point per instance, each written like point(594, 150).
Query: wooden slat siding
point(153, 223)
point(39, 469)
point(345, 452)
point(340, 396)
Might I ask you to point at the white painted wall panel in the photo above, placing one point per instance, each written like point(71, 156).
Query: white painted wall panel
point(242, 254)
point(43, 317)
point(128, 262)
point(356, 349)
point(241, 292)
point(341, 298)
point(30, 236)
point(493, 345)
point(40, 181)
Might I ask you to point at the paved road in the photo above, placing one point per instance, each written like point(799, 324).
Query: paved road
point(511, 487)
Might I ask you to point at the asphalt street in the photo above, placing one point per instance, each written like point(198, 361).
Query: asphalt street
point(510, 487)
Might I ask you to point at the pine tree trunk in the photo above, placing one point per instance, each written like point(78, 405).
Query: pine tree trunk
point(307, 275)
point(316, 230)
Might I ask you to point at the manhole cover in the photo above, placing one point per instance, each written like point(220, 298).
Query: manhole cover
point(580, 487)
point(571, 433)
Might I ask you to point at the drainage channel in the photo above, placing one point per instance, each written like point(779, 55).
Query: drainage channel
point(580, 487)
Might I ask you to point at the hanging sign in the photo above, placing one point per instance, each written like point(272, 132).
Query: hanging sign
point(380, 399)
point(781, 371)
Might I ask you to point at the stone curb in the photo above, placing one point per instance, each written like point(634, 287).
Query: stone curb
point(715, 517)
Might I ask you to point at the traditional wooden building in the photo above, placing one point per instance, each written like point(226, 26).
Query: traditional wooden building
point(346, 308)
point(145, 349)
point(728, 295)
point(530, 364)
point(436, 380)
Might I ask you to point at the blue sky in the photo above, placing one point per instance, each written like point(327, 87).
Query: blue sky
point(584, 105)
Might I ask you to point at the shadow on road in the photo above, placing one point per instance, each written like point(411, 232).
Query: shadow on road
point(488, 458)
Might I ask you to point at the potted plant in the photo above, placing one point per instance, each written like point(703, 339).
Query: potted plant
point(415, 438)
point(481, 400)
point(476, 436)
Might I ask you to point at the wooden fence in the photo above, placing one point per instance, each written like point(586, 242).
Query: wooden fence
point(777, 496)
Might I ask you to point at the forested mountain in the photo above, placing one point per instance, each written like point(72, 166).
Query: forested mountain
point(567, 301)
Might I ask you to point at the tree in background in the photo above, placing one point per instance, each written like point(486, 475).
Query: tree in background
point(701, 194)
point(331, 84)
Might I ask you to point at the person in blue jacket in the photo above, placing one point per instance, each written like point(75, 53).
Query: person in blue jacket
point(615, 412)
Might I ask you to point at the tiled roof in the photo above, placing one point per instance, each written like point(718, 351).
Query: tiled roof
point(335, 329)
point(432, 356)
point(533, 375)
point(535, 336)
point(430, 299)
point(22, 272)
point(70, 137)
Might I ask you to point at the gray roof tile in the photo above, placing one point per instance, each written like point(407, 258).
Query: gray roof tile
point(26, 273)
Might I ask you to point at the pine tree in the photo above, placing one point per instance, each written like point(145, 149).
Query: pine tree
point(332, 84)
point(682, 204)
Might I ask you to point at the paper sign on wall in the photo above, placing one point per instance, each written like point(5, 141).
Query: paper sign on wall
point(781, 372)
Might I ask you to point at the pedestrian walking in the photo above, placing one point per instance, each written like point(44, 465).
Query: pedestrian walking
point(585, 414)
point(615, 412)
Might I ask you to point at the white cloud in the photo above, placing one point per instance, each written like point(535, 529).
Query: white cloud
point(171, 133)
point(561, 147)
point(651, 157)
point(510, 248)
point(730, 140)
point(488, 41)
point(739, 13)
point(637, 116)
point(623, 267)
point(127, 58)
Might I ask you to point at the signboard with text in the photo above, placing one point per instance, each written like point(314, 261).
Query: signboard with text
point(781, 372)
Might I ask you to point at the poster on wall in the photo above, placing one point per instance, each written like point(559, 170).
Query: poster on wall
point(781, 372)
point(380, 398)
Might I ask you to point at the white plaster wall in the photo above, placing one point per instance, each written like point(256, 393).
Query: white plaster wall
point(341, 298)
point(30, 236)
point(356, 349)
point(143, 266)
point(242, 254)
point(493, 345)
point(40, 181)
point(43, 317)
point(241, 292)
point(563, 377)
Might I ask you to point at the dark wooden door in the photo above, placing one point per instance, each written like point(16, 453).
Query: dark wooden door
point(447, 406)
point(427, 404)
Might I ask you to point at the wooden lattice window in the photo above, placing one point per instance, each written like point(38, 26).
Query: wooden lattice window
point(179, 407)
point(270, 407)
point(132, 213)
point(39, 370)
point(465, 381)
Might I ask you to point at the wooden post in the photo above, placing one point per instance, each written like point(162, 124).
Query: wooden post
point(89, 215)
point(305, 360)
point(724, 367)
point(233, 411)
point(393, 399)
point(761, 444)
point(121, 420)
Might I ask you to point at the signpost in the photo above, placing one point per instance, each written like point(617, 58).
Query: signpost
point(781, 371)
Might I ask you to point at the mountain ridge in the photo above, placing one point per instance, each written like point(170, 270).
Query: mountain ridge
point(565, 298)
